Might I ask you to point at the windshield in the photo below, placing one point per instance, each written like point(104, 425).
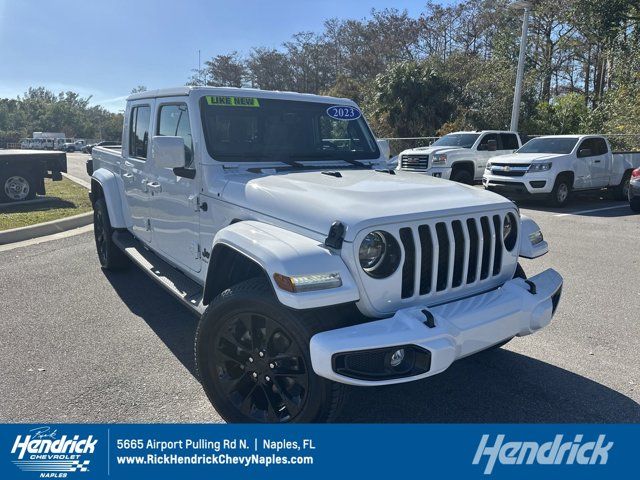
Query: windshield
point(242, 129)
point(463, 140)
point(549, 145)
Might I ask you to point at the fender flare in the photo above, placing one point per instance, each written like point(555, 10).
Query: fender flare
point(112, 196)
point(277, 250)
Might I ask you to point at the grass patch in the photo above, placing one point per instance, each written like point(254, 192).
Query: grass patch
point(64, 199)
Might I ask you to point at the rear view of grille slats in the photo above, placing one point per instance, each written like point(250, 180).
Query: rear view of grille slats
point(451, 254)
point(426, 265)
point(409, 266)
point(486, 248)
point(497, 257)
point(458, 258)
point(443, 256)
point(473, 250)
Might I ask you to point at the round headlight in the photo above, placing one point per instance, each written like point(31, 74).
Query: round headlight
point(379, 254)
point(509, 231)
point(372, 250)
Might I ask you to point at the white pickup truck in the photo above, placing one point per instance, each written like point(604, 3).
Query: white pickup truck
point(271, 216)
point(459, 156)
point(553, 167)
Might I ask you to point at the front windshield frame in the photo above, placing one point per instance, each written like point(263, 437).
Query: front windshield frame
point(261, 156)
point(570, 141)
point(460, 136)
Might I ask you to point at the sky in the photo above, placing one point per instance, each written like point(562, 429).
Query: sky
point(105, 48)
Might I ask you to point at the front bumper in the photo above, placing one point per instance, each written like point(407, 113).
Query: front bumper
point(538, 183)
point(462, 328)
point(433, 171)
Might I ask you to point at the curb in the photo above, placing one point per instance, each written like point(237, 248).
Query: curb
point(35, 201)
point(77, 180)
point(46, 228)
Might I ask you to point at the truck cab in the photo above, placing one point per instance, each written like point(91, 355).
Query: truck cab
point(459, 156)
point(311, 265)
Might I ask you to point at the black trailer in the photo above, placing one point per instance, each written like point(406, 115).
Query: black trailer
point(22, 172)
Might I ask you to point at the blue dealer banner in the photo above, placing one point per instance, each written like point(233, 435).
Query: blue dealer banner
point(100, 451)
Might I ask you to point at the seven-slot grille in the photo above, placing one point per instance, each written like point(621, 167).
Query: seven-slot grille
point(449, 254)
point(414, 162)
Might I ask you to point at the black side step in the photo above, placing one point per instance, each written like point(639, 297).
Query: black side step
point(179, 285)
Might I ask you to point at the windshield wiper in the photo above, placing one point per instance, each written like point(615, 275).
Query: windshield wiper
point(355, 163)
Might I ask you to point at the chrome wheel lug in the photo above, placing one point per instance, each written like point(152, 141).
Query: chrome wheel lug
point(272, 365)
point(267, 378)
point(254, 375)
point(250, 359)
point(261, 354)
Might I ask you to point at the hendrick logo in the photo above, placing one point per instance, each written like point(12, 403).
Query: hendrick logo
point(555, 452)
point(42, 450)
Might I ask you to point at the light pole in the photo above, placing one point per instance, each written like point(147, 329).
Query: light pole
point(517, 94)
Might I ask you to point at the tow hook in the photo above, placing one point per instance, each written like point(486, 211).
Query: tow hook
point(430, 320)
point(532, 287)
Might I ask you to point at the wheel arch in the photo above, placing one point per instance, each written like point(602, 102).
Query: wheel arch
point(228, 267)
point(468, 166)
point(104, 185)
point(569, 174)
point(254, 248)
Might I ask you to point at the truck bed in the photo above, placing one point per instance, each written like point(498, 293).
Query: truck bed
point(47, 160)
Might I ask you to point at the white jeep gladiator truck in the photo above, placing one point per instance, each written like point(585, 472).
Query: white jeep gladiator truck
point(459, 156)
point(554, 166)
point(310, 265)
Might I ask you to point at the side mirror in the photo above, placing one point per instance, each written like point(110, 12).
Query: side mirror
point(385, 148)
point(584, 152)
point(168, 152)
point(492, 145)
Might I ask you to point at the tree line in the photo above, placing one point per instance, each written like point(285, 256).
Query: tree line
point(40, 110)
point(453, 67)
point(450, 68)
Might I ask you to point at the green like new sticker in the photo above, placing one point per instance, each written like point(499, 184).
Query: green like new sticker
point(233, 101)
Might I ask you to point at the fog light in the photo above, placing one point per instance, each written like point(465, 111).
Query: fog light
point(397, 357)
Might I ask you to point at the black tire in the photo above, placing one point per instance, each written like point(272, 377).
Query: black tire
point(561, 193)
point(461, 175)
point(244, 386)
point(17, 186)
point(621, 192)
point(110, 256)
point(634, 203)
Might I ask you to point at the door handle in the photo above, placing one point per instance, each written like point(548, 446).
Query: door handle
point(597, 161)
point(128, 164)
point(127, 175)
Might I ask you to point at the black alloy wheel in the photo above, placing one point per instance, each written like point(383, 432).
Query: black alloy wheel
point(262, 369)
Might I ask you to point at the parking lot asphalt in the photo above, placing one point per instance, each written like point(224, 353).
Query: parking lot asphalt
point(76, 165)
point(82, 345)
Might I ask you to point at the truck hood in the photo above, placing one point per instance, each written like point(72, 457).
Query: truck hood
point(525, 158)
point(430, 150)
point(359, 199)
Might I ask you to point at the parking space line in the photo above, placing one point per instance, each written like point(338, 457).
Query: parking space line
point(580, 212)
point(48, 238)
